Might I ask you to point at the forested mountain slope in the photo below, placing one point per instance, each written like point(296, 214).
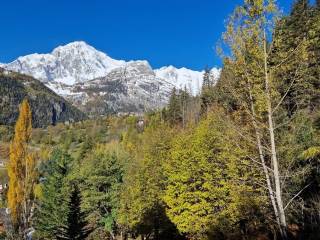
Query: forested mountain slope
point(48, 108)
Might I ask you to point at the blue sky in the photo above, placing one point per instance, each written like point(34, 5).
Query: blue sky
point(164, 32)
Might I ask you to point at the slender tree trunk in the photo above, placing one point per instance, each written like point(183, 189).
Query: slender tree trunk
point(124, 235)
point(262, 159)
point(274, 158)
point(25, 212)
point(112, 235)
point(183, 113)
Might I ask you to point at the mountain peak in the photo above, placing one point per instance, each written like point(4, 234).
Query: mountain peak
point(79, 45)
point(78, 62)
point(69, 64)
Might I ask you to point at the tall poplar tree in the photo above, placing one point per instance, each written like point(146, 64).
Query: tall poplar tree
point(21, 171)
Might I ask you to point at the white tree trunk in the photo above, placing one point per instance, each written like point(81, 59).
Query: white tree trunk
point(274, 159)
point(262, 159)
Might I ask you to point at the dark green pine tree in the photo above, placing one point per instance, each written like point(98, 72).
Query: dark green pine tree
point(207, 78)
point(86, 146)
point(300, 5)
point(77, 226)
point(298, 22)
point(51, 211)
point(315, 53)
point(291, 54)
point(185, 100)
point(206, 96)
point(304, 22)
point(174, 113)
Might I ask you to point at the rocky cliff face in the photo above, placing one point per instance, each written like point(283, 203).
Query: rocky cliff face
point(47, 107)
point(131, 89)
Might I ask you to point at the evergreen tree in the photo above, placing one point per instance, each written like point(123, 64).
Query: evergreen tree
point(296, 57)
point(291, 57)
point(100, 179)
point(185, 101)
point(206, 92)
point(315, 56)
point(86, 146)
point(207, 83)
point(174, 114)
point(300, 141)
point(52, 210)
point(180, 108)
point(250, 166)
point(76, 228)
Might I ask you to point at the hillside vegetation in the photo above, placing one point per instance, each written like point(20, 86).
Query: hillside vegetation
point(47, 107)
point(239, 161)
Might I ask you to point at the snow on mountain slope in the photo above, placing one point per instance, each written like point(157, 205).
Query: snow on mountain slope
point(79, 62)
point(69, 64)
point(98, 84)
point(184, 78)
point(133, 88)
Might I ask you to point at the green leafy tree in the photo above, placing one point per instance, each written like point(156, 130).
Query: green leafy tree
point(141, 205)
point(203, 172)
point(295, 56)
point(253, 80)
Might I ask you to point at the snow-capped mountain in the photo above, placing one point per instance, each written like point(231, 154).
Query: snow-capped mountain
point(184, 78)
point(133, 88)
point(181, 78)
point(69, 64)
point(96, 83)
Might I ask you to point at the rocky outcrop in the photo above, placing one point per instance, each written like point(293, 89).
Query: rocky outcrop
point(130, 89)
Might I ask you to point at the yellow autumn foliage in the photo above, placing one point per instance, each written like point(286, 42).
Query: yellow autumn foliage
point(19, 160)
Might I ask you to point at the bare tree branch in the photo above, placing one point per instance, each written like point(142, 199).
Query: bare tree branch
point(297, 195)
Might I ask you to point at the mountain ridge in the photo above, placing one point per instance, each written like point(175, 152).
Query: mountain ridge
point(42, 66)
point(82, 74)
point(71, 63)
